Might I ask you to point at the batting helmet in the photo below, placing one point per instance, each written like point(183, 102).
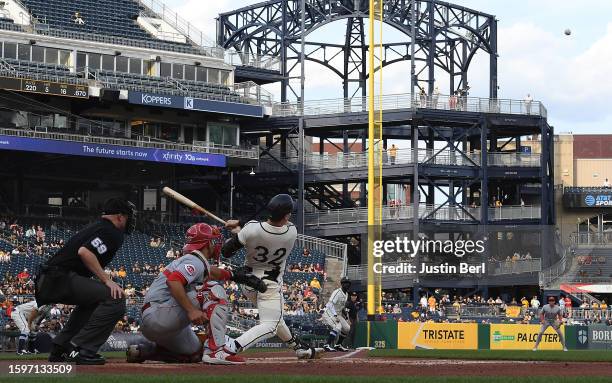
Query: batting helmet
point(200, 236)
point(279, 206)
point(345, 283)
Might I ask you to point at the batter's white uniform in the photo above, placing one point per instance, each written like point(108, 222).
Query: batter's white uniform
point(21, 314)
point(267, 248)
point(332, 316)
point(164, 321)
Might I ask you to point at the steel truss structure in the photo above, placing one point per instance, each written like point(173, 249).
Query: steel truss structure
point(446, 36)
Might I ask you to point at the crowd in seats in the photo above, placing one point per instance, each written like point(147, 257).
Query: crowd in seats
point(142, 257)
point(593, 265)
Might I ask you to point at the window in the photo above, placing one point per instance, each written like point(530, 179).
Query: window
point(225, 77)
point(122, 64)
point(149, 67)
point(51, 56)
point(108, 62)
point(136, 66)
point(222, 134)
point(38, 54)
point(213, 75)
point(94, 61)
point(201, 74)
point(10, 50)
point(177, 71)
point(24, 52)
point(190, 72)
point(165, 70)
point(64, 58)
point(81, 61)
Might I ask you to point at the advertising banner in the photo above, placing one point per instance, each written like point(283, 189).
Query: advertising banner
point(600, 337)
point(430, 335)
point(513, 311)
point(111, 151)
point(198, 104)
point(523, 337)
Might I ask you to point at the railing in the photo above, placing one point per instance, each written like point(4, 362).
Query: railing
point(331, 249)
point(44, 29)
point(582, 189)
point(246, 59)
point(513, 159)
point(253, 153)
point(407, 101)
point(426, 212)
point(555, 271)
point(514, 212)
point(181, 25)
point(591, 239)
point(19, 73)
point(315, 161)
point(232, 151)
point(515, 267)
point(581, 314)
point(252, 91)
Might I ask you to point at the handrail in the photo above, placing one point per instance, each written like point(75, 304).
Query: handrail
point(233, 152)
point(403, 157)
point(426, 212)
point(408, 101)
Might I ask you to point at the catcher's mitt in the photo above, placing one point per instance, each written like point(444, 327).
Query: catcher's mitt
point(242, 276)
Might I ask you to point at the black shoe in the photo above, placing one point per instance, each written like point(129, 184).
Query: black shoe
point(57, 354)
point(84, 357)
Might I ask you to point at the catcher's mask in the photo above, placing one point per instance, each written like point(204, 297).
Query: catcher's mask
point(200, 236)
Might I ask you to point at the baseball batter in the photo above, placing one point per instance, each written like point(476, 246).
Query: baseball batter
point(333, 317)
point(267, 245)
point(173, 304)
point(27, 318)
point(551, 315)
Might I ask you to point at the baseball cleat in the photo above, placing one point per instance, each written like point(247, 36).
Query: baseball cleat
point(222, 357)
point(329, 348)
point(133, 354)
point(23, 352)
point(564, 348)
point(341, 348)
point(309, 353)
point(534, 349)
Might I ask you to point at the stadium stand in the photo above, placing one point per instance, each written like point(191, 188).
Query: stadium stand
point(39, 71)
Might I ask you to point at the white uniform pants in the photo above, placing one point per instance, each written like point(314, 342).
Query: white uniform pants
point(271, 322)
point(20, 321)
point(340, 326)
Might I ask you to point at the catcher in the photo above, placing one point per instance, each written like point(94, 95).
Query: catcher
point(172, 305)
point(551, 315)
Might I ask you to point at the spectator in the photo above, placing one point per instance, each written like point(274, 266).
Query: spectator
point(315, 284)
point(122, 273)
point(170, 253)
point(23, 276)
point(436, 95)
point(535, 303)
point(78, 19)
point(393, 153)
point(528, 101)
point(31, 232)
point(606, 183)
point(423, 98)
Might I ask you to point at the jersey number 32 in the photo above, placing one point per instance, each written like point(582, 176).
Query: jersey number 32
point(275, 259)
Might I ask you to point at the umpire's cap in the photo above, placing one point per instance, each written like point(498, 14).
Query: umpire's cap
point(279, 206)
point(122, 206)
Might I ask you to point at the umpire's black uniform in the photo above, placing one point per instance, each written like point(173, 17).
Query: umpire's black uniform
point(66, 279)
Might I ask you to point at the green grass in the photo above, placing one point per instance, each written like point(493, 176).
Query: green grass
point(557, 356)
point(299, 379)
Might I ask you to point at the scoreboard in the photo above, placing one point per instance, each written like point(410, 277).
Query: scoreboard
point(44, 87)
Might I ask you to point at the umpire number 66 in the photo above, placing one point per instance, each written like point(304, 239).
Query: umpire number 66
point(99, 245)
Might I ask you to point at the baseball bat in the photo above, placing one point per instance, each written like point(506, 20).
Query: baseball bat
point(189, 203)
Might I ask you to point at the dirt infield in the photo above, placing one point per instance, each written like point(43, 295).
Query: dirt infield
point(359, 364)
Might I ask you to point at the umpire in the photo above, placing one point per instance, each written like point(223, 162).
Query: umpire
point(67, 278)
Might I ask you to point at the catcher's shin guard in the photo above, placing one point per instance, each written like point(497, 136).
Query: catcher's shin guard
point(217, 324)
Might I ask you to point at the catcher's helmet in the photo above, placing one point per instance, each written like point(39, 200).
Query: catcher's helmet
point(279, 206)
point(200, 236)
point(122, 206)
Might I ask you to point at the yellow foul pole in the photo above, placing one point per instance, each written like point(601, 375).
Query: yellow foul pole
point(374, 155)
